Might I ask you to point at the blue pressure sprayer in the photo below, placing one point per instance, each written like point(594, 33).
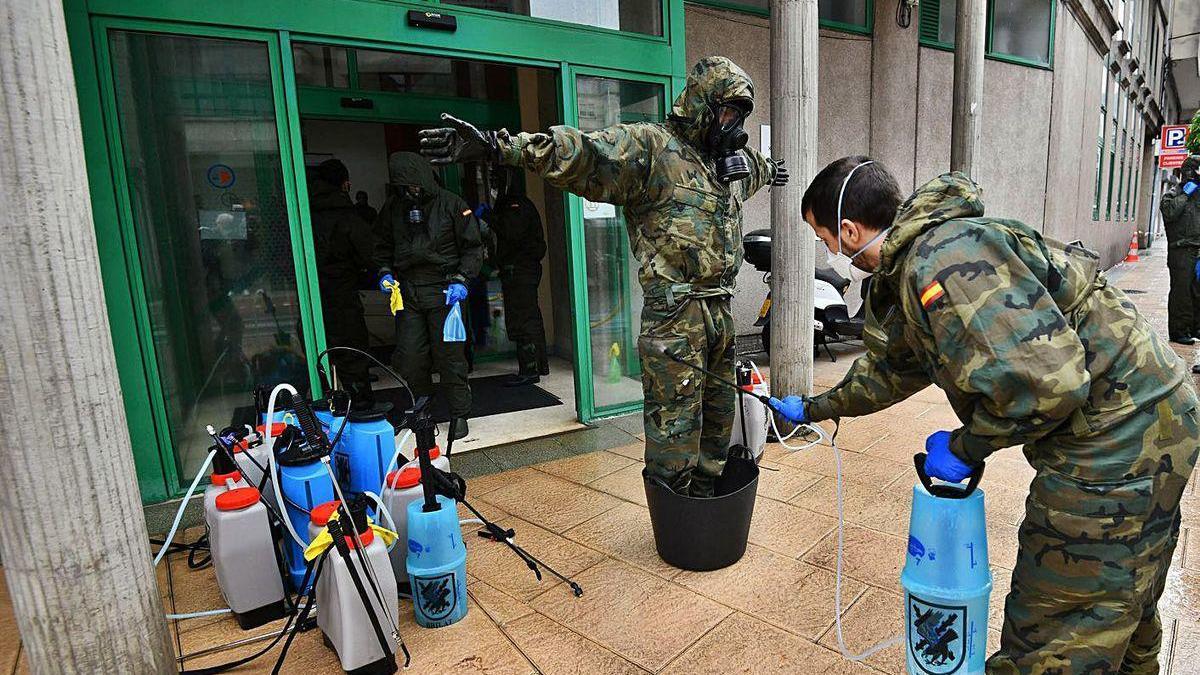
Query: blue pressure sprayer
point(946, 578)
point(437, 556)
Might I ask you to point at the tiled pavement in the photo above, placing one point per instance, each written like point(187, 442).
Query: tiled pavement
point(770, 613)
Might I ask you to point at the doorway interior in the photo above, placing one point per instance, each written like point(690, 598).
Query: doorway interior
point(360, 106)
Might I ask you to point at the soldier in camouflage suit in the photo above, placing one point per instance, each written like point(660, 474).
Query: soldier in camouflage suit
point(685, 228)
point(1181, 219)
point(1032, 346)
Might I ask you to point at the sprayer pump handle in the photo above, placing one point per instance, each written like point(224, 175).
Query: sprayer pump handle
point(947, 491)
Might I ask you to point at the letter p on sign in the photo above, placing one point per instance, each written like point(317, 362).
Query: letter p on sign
point(1174, 137)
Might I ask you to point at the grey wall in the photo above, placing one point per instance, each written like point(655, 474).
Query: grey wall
point(844, 109)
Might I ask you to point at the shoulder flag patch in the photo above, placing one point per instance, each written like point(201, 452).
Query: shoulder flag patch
point(467, 212)
point(931, 293)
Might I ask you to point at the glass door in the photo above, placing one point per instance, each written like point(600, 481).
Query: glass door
point(609, 297)
point(203, 184)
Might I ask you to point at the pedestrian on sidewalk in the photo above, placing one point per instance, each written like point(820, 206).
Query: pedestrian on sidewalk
point(1033, 347)
point(1181, 217)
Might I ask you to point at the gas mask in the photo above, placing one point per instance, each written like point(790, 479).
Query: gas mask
point(726, 138)
point(840, 262)
point(416, 211)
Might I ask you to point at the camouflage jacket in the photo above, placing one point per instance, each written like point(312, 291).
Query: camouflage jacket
point(685, 225)
point(1181, 218)
point(1024, 334)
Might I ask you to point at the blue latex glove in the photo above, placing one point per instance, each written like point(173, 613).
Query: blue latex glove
point(1198, 270)
point(384, 281)
point(456, 293)
point(941, 463)
point(793, 408)
point(483, 210)
point(1189, 187)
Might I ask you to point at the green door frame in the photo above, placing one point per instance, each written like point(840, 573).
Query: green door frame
point(482, 35)
point(584, 393)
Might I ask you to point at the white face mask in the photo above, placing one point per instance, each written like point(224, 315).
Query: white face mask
point(840, 262)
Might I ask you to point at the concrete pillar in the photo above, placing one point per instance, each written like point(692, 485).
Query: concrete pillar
point(73, 537)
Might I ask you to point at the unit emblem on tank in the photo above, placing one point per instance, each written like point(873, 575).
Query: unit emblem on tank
point(438, 595)
point(936, 635)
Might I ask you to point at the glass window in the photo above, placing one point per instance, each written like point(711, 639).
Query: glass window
point(635, 16)
point(614, 295)
point(401, 73)
point(1021, 29)
point(1100, 136)
point(946, 21)
point(845, 12)
point(200, 140)
point(321, 65)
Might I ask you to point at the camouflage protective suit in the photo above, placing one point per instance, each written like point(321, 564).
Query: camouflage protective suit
point(1181, 220)
point(1033, 347)
point(685, 228)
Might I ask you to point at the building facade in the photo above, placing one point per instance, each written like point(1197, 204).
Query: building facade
point(202, 124)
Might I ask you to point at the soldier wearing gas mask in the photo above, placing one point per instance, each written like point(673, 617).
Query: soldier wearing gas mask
point(682, 184)
point(429, 242)
point(1181, 219)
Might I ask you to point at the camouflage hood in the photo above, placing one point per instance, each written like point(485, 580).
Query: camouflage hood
point(949, 196)
point(409, 168)
point(712, 80)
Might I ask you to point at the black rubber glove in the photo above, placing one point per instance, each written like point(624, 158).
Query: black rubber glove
point(781, 174)
point(458, 143)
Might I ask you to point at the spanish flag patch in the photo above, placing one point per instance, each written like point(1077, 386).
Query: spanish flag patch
point(931, 294)
point(467, 212)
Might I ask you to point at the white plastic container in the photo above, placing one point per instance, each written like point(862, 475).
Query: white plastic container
point(755, 414)
point(220, 484)
point(343, 615)
point(436, 458)
point(401, 488)
point(243, 555)
point(251, 454)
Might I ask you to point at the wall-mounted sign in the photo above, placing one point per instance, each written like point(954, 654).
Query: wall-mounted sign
point(434, 20)
point(221, 176)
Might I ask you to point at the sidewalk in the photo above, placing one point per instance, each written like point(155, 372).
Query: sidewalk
point(771, 613)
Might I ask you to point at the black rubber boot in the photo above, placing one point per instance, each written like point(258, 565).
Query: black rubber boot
point(458, 428)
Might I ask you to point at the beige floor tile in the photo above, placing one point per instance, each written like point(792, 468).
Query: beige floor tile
point(496, 565)
point(782, 591)
point(625, 484)
point(634, 451)
point(1167, 650)
point(640, 616)
point(557, 650)
point(941, 416)
point(743, 644)
point(1181, 597)
point(1002, 502)
point(1001, 582)
point(876, 616)
point(870, 556)
point(584, 469)
point(473, 645)
point(478, 487)
point(782, 482)
point(860, 433)
point(886, 510)
point(1009, 471)
point(1186, 653)
point(932, 394)
point(194, 590)
point(623, 533)
point(198, 634)
point(1002, 543)
point(550, 502)
point(910, 408)
point(856, 466)
point(993, 641)
point(786, 529)
point(500, 606)
point(1191, 553)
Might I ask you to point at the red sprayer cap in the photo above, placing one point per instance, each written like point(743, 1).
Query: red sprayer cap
point(404, 478)
point(320, 514)
point(220, 478)
point(237, 499)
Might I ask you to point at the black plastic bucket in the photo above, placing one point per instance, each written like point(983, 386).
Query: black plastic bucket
point(705, 533)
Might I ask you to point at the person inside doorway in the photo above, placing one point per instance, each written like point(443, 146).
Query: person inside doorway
point(345, 247)
point(520, 248)
point(429, 243)
point(363, 206)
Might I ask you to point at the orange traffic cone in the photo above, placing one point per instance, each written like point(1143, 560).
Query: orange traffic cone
point(1133, 249)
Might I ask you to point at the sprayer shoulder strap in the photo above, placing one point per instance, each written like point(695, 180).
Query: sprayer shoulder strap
point(368, 606)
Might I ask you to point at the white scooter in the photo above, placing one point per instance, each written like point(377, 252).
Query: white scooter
point(832, 319)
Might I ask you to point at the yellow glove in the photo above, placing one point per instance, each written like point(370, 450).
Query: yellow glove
point(324, 540)
point(397, 298)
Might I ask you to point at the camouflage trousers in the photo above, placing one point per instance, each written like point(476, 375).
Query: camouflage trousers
point(1094, 554)
point(688, 417)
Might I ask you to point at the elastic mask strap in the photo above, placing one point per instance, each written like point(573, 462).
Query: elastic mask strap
point(842, 193)
point(871, 243)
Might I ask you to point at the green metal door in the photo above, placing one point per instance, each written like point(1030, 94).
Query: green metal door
point(608, 299)
point(207, 207)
